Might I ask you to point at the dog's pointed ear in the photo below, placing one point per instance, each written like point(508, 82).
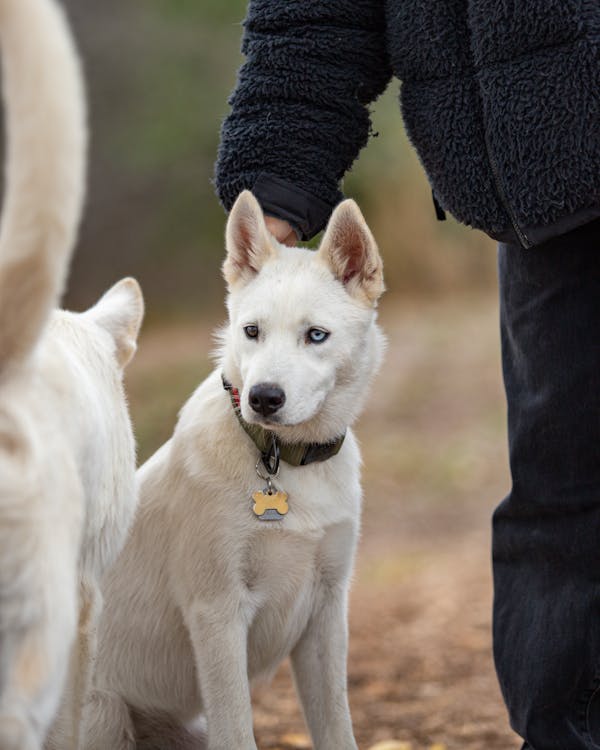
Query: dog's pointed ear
point(120, 311)
point(248, 240)
point(350, 251)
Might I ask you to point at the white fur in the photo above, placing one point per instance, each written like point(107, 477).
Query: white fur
point(205, 599)
point(67, 487)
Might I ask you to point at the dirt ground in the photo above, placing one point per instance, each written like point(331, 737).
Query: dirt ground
point(434, 446)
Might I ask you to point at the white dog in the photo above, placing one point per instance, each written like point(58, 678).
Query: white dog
point(67, 482)
point(225, 573)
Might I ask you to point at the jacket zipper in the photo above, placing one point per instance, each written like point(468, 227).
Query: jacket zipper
point(525, 243)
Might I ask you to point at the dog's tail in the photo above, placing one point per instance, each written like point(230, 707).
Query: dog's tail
point(45, 172)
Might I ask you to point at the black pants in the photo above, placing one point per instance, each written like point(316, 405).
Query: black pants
point(546, 543)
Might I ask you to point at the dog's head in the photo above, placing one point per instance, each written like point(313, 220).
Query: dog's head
point(302, 341)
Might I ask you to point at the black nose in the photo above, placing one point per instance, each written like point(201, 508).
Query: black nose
point(266, 398)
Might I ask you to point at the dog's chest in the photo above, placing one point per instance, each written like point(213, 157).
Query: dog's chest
point(279, 573)
point(284, 577)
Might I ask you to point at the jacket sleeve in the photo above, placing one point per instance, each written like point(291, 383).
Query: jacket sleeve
point(299, 113)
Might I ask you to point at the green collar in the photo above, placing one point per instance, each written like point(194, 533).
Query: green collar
point(270, 447)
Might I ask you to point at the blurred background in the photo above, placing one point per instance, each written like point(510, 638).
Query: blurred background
point(159, 74)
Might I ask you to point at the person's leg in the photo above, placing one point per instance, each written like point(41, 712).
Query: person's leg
point(546, 543)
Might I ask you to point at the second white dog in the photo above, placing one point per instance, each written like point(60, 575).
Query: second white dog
point(225, 573)
point(67, 460)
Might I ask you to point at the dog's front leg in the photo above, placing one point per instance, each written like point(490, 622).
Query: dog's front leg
point(219, 638)
point(319, 666)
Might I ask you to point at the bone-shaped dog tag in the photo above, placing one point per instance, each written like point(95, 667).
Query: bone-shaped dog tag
point(270, 505)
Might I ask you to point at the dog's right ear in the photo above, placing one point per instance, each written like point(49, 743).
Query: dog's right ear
point(248, 240)
point(350, 251)
point(120, 311)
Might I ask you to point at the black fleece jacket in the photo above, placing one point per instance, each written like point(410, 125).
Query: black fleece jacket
point(500, 99)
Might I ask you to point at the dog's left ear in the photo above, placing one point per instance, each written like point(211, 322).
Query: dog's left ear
point(350, 251)
point(120, 311)
point(248, 240)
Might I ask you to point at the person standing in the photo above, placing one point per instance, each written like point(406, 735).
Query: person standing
point(502, 103)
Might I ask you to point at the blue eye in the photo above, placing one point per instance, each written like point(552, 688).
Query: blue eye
point(317, 336)
point(251, 331)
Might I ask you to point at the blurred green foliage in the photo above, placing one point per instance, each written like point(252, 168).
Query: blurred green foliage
point(159, 74)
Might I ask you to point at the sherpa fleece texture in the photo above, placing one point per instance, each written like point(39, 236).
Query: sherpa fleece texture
point(501, 99)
